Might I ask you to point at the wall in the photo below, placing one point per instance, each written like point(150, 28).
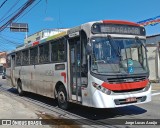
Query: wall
point(153, 57)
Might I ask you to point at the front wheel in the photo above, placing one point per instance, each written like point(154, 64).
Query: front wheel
point(62, 98)
point(19, 88)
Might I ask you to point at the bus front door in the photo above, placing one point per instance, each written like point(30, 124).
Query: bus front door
point(75, 68)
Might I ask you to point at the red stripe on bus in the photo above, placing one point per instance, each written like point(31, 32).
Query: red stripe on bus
point(125, 86)
point(120, 22)
point(35, 43)
point(64, 75)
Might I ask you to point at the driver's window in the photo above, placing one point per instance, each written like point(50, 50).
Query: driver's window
point(102, 51)
point(106, 50)
point(123, 54)
point(134, 53)
point(129, 54)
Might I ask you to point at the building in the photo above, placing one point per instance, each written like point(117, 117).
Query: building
point(42, 35)
point(2, 62)
point(2, 57)
point(153, 47)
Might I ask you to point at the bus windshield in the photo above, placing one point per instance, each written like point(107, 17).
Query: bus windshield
point(118, 55)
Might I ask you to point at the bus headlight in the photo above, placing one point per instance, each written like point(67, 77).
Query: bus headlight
point(147, 87)
point(101, 88)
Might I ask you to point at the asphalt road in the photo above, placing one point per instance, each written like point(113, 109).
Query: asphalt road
point(147, 111)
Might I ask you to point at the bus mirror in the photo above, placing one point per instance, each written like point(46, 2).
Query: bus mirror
point(89, 49)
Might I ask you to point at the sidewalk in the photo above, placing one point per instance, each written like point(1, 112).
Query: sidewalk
point(155, 86)
point(12, 109)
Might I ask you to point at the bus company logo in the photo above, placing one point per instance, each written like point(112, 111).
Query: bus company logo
point(6, 122)
point(129, 80)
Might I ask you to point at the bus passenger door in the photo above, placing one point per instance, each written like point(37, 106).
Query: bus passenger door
point(75, 67)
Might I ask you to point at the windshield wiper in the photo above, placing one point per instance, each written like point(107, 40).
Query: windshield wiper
point(111, 42)
point(139, 41)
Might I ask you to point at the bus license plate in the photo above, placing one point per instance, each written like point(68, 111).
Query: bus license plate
point(131, 99)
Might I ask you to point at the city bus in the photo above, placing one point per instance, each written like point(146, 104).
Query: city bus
point(100, 64)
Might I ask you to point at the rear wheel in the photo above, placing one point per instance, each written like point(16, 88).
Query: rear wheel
point(19, 88)
point(62, 98)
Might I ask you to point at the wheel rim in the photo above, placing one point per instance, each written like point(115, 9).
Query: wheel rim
point(19, 89)
point(61, 97)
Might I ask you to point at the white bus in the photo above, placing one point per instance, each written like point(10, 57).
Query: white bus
point(101, 64)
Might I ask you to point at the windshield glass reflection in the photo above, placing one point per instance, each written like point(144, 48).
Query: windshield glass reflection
point(118, 56)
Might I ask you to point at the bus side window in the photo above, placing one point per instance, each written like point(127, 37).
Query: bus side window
point(13, 64)
point(54, 54)
point(58, 51)
point(44, 53)
point(18, 58)
point(25, 57)
point(8, 60)
point(61, 51)
point(34, 55)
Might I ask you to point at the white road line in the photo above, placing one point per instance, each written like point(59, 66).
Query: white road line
point(154, 90)
point(154, 94)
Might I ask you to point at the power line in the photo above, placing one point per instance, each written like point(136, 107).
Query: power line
point(26, 5)
point(2, 35)
point(2, 19)
point(29, 10)
point(9, 41)
point(6, 46)
point(3, 3)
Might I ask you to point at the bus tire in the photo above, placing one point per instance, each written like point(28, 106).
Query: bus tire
point(62, 98)
point(19, 88)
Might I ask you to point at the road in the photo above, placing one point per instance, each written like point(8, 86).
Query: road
point(46, 108)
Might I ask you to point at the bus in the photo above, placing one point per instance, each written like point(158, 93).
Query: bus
point(100, 64)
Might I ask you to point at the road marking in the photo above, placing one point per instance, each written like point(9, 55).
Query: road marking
point(154, 90)
point(154, 94)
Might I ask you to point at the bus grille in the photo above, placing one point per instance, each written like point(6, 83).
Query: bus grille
point(127, 91)
point(125, 80)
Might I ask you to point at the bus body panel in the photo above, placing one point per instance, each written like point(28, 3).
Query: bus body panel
point(8, 77)
point(39, 79)
point(95, 98)
point(101, 100)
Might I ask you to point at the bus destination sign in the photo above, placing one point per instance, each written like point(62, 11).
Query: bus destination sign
point(118, 29)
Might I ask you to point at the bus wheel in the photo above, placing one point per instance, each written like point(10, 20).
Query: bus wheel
point(19, 88)
point(62, 98)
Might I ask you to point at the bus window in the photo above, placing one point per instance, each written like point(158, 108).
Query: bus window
point(44, 53)
point(58, 51)
point(18, 58)
point(34, 55)
point(25, 59)
point(8, 60)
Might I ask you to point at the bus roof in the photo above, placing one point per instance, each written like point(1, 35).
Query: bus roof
point(120, 22)
point(75, 29)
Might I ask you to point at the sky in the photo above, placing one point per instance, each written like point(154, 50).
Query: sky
point(48, 14)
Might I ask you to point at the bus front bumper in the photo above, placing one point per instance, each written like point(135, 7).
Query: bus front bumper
point(102, 100)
